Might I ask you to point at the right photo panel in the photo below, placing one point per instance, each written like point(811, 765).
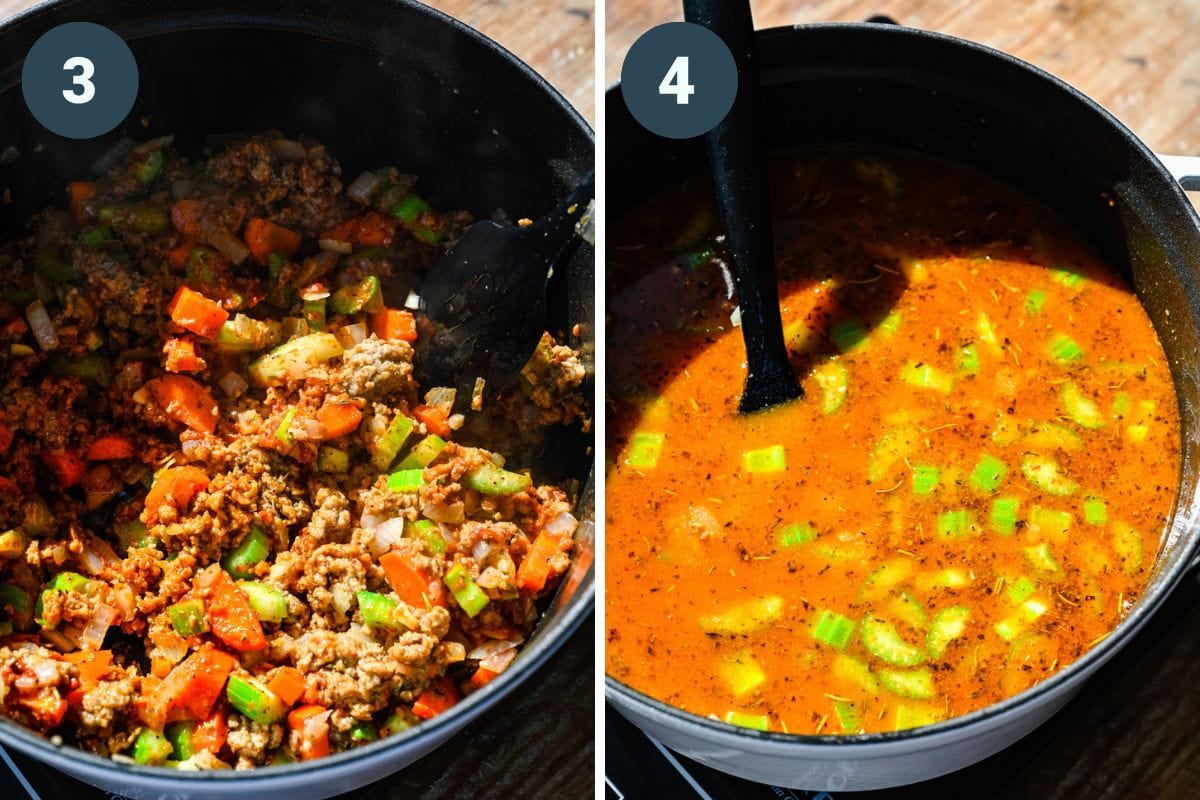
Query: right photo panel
point(902, 307)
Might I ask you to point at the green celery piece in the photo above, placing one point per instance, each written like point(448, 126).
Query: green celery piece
point(968, 359)
point(758, 722)
point(701, 257)
point(428, 531)
point(765, 459)
point(988, 473)
point(491, 479)
point(423, 452)
point(378, 610)
point(889, 324)
point(50, 263)
point(1095, 511)
point(1020, 590)
point(364, 296)
point(313, 312)
point(947, 625)
point(96, 236)
point(250, 552)
point(1127, 544)
point(744, 618)
point(953, 524)
point(68, 582)
point(243, 334)
point(136, 216)
point(1049, 522)
point(385, 449)
point(467, 594)
point(409, 212)
point(885, 577)
point(1063, 348)
point(924, 479)
point(396, 723)
point(187, 617)
point(907, 717)
point(914, 684)
point(848, 716)
point(254, 701)
point(849, 669)
point(91, 367)
point(1034, 301)
point(1004, 515)
point(1014, 625)
point(331, 459)
point(743, 674)
point(1065, 276)
point(1079, 408)
point(833, 378)
point(926, 376)
point(794, 534)
point(1122, 402)
point(644, 450)
point(179, 734)
point(294, 359)
point(1043, 472)
point(148, 171)
point(848, 334)
point(202, 267)
point(151, 748)
point(882, 641)
point(363, 733)
point(406, 480)
point(906, 608)
point(284, 432)
point(1042, 560)
point(833, 629)
point(268, 603)
point(1049, 436)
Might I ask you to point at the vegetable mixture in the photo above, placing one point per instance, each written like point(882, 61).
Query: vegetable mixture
point(969, 496)
point(235, 530)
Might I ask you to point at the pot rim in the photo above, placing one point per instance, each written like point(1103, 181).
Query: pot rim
point(1127, 627)
point(530, 659)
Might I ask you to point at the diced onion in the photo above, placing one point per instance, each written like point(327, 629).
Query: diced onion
point(363, 187)
point(442, 398)
point(335, 246)
point(444, 512)
point(226, 243)
point(342, 597)
point(289, 150)
point(126, 603)
point(351, 335)
point(314, 430)
point(387, 201)
point(454, 652)
point(413, 301)
point(491, 647)
point(191, 448)
point(39, 323)
point(482, 550)
point(385, 535)
point(92, 637)
point(233, 384)
point(563, 525)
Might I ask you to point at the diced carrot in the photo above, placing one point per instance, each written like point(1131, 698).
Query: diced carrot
point(111, 447)
point(177, 256)
point(436, 420)
point(16, 328)
point(376, 230)
point(92, 664)
point(210, 734)
point(310, 724)
point(229, 614)
point(174, 486)
point(185, 401)
point(8, 486)
point(193, 687)
point(47, 706)
point(180, 356)
point(160, 667)
point(439, 697)
point(78, 193)
point(345, 232)
point(339, 418)
point(6, 437)
point(482, 677)
point(194, 312)
point(288, 684)
point(186, 216)
point(264, 237)
point(410, 583)
point(394, 323)
point(66, 465)
point(535, 567)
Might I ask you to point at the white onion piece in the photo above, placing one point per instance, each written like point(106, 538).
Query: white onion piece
point(444, 512)
point(370, 521)
point(413, 301)
point(335, 246)
point(233, 384)
point(363, 187)
point(442, 398)
point(191, 448)
point(385, 535)
point(482, 550)
point(499, 662)
point(491, 647)
point(351, 335)
point(226, 243)
point(126, 603)
point(341, 597)
point(39, 323)
point(563, 525)
point(92, 637)
point(313, 429)
point(454, 652)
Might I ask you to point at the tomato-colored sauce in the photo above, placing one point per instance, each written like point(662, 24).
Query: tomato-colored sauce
point(970, 495)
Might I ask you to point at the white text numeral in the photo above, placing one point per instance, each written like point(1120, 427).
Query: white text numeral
point(676, 81)
point(84, 89)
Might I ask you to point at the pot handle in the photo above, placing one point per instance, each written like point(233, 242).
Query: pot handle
point(1185, 169)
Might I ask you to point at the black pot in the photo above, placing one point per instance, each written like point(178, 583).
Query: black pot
point(885, 86)
point(378, 82)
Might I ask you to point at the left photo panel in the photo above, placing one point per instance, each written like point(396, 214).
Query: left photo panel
point(297, 389)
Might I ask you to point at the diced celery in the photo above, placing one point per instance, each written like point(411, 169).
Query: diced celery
point(268, 603)
point(1042, 561)
point(428, 531)
point(253, 700)
point(406, 480)
point(423, 452)
point(947, 625)
point(1079, 408)
point(1049, 436)
point(1019, 590)
point(987, 334)
point(396, 723)
point(1004, 515)
point(882, 641)
point(926, 376)
point(889, 324)
point(896, 444)
point(851, 670)
point(148, 171)
point(363, 733)
point(179, 734)
point(385, 449)
point(924, 479)
point(250, 552)
point(1122, 402)
point(968, 359)
point(331, 459)
point(1049, 523)
point(766, 459)
point(953, 524)
point(1137, 433)
point(758, 722)
point(1013, 626)
point(1127, 544)
point(378, 610)
point(848, 334)
point(908, 717)
point(1066, 277)
point(915, 684)
point(493, 480)
point(295, 359)
point(1043, 472)
point(744, 618)
point(848, 716)
point(833, 378)
point(1034, 301)
point(743, 674)
point(952, 578)
point(795, 534)
point(151, 748)
point(243, 334)
point(1063, 348)
point(906, 608)
point(644, 450)
point(284, 432)
point(187, 617)
point(364, 296)
point(313, 312)
point(833, 629)
point(885, 577)
point(988, 473)
point(467, 594)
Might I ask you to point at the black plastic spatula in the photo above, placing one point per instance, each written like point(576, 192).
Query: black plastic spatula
point(737, 158)
point(483, 305)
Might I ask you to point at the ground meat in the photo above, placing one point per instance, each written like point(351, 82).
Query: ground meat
point(332, 569)
point(250, 742)
point(106, 703)
point(551, 392)
point(377, 369)
point(33, 683)
point(331, 521)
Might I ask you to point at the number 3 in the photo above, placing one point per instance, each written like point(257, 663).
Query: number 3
point(676, 81)
point(85, 90)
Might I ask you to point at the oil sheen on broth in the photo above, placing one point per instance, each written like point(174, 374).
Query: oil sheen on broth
point(970, 495)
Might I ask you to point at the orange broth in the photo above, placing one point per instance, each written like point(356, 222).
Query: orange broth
point(970, 495)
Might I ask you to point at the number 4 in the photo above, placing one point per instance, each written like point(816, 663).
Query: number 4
point(676, 81)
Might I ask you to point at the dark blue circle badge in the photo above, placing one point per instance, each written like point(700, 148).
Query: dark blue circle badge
point(679, 80)
point(79, 80)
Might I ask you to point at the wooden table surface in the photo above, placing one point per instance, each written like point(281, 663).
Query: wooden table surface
point(1134, 733)
point(541, 742)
